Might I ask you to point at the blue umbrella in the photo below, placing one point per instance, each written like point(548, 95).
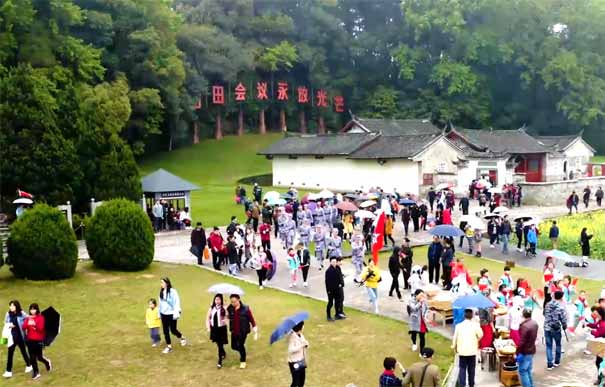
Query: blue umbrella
point(406, 202)
point(476, 300)
point(287, 324)
point(276, 201)
point(446, 230)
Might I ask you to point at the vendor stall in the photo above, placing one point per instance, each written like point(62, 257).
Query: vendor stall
point(508, 373)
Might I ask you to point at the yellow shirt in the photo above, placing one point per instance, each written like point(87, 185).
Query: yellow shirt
point(371, 282)
point(152, 318)
point(466, 338)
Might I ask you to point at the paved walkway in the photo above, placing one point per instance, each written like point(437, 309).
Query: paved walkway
point(173, 247)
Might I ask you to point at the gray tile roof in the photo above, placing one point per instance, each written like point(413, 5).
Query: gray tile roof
point(394, 147)
point(391, 127)
point(557, 142)
point(319, 145)
point(503, 141)
point(164, 181)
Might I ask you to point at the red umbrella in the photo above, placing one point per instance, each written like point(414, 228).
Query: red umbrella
point(346, 206)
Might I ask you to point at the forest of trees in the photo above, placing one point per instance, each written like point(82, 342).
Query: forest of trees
point(89, 86)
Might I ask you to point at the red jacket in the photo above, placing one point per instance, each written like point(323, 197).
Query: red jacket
point(265, 232)
point(599, 330)
point(216, 241)
point(36, 331)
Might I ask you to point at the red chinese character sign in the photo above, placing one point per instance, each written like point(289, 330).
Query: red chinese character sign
point(339, 104)
point(261, 91)
point(282, 91)
point(321, 98)
point(218, 95)
point(303, 94)
point(240, 92)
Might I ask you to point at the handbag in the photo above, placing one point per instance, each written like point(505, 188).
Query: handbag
point(206, 253)
point(7, 336)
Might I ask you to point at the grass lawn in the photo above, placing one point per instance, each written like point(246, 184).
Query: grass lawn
point(216, 166)
point(474, 264)
point(598, 159)
point(104, 341)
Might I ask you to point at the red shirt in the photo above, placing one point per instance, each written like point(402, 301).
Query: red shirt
point(265, 232)
point(216, 241)
point(36, 331)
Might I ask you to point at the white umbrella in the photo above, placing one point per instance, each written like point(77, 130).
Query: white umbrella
point(271, 196)
point(225, 289)
point(313, 196)
point(443, 186)
point(23, 201)
point(500, 209)
point(468, 218)
point(339, 197)
point(367, 203)
point(495, 190)
point(325, 194)
point(363, 214)
point(484, 184)
point(533, 221)
point(477, 224)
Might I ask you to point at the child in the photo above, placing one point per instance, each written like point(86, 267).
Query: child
point(506, 279)
point(417, 279)
point(153, 321)
point(293, 265)
point(485, 283)
point(502, 296)
point(581, 304)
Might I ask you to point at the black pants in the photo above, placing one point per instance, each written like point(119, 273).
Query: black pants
point(464, 210)
point(519, 240)
point(422, 339)
point(407, 271)
point(395, 285)
point(599, 201)
point(331, 302)
point(461, 240)
point(305, 272)
point(389, 237)
point(255, 224)
point(298, 376)
point(406, 226)
point(169, 325)
point(266, 245)
point(431, 203)
point(447, 276)
point(467, 366)
point(433, 270)
point(598, 363)
point(416, 224)
point(368, 242)
point(238, 343)
point(492, 238)
point(262, 274)
point(17, 342)
point(340, 300)
point(276, 228)
point(221, 352)
point(35, 354)
point(216, 260)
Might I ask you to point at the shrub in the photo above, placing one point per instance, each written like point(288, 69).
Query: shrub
point(120, 237)
point(42, 245)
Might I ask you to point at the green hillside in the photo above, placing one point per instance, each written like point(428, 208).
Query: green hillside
point(216, 166)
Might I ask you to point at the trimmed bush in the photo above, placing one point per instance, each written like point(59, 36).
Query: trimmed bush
point(42, 245)
point(120, 237)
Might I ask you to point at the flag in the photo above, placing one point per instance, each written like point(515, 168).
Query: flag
point(23, 194)
point(378, 236)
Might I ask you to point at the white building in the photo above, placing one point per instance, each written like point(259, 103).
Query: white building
point(572, 152)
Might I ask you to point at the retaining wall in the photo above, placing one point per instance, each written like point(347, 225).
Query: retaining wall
point(554, 193)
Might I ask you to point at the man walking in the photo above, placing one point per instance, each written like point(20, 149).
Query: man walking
point(265, 235)
point(466, 343)
point(463, 205)
point(555, 321)
point(447, 257)
point(432, 195)
point(424, 373)
point(586, 196)
point(158, 216)
point(198, 242)
point(528, 332)
point(406, 262)
point(395, 269)
point(434, 254)
point(334, 283)
point(553, 234)
point(505, 230)
point(599, 196)
point(240, 321)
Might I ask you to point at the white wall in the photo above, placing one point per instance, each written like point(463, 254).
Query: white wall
point(578, 155)
point(466, 175)
point(554, 168)
point(341, 174)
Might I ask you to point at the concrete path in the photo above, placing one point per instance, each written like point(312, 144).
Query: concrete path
point(173, 247)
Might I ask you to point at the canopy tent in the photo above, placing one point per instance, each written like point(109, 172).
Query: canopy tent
point(162, 184)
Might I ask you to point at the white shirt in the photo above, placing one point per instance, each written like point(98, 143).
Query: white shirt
point(466, 338)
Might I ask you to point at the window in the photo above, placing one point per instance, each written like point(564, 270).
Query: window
point(533, 165)
point(427, 179)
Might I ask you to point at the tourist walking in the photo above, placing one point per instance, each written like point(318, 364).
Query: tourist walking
point(447, 257)
point(423, 373)
point(519, 234)
point(153, 321)
point(418, 309)
point(241, 321)
point(265, 234)
point(198, 243)
point(586, 196)
point(572, 202)
point(293, 266)
point(297, 355)
point(395, 270)
point(585, 243)
point(216, 243)
point(334, 284)
point(405, 219)
point(434, 255)
point(532, 239)
point(370, 277)
point(504, 233)
point(466, 343)
point(553, 235)
point(599, 196)
point(598, 331)
point(528, 332)
point(319, 237)
point(463, 205)
point(304, 259)
point(431, 196)
point(35, 333)
point(170, 312)
point(216, 325)
point(233, 255)
point(357, 253)
point(407, 255)
point(555, 321)
point(14, 319)
point(388, 230)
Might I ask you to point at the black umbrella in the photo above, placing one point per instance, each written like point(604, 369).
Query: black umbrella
point(52, 324)
point(524, 218)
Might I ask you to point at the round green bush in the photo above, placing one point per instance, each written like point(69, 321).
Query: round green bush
point(120, 237)
point(42, 245)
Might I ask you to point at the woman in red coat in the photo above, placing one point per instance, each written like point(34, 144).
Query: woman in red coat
point(33, 326)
